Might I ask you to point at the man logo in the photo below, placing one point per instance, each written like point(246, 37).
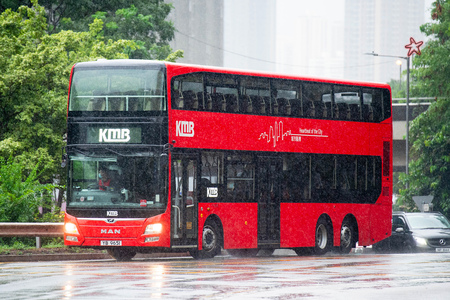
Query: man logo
point(121, 135)
point(185, 128)
point(110, 231)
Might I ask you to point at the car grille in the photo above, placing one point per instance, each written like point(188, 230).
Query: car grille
point(439, 242)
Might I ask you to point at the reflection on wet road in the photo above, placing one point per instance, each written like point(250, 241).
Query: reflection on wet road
point(282, 276)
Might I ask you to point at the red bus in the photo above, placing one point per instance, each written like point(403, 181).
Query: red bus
point(173, 157)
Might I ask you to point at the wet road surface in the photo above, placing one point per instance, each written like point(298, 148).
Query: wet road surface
point(281, 276)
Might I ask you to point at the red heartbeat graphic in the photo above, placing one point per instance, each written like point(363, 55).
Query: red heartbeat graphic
point(414, 47)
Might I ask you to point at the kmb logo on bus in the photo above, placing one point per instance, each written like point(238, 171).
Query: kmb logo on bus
point(185, 128)
point(121, 135)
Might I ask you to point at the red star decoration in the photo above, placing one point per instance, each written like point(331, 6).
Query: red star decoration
point(414, 47)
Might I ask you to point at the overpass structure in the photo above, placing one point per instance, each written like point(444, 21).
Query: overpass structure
point(418, 106)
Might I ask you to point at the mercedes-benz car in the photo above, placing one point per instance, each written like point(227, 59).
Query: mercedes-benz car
point(417, 232)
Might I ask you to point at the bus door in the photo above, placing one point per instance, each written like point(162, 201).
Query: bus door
point(184, 201)
point(269, 198)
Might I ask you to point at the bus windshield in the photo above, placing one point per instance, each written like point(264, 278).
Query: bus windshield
point(117, 89)
point(109, 180)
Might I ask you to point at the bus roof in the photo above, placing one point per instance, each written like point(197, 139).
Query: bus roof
point(180, 68)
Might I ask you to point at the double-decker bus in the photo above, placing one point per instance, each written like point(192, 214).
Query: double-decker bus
point(173, 157)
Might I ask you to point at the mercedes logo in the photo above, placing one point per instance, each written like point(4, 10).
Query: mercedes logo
point(442, 242)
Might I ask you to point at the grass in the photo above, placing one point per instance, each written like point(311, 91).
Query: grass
point(15, 246)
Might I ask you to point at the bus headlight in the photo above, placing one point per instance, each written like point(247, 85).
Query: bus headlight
point(153, 229)
point(70, 228)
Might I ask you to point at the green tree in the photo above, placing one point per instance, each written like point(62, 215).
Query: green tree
point(34, 77)
point(430, 132)
point(144, 21)
point(21, 196)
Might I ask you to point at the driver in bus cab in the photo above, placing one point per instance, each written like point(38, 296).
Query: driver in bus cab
point(105, 181)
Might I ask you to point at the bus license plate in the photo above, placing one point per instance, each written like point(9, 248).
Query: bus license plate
point(110, 243)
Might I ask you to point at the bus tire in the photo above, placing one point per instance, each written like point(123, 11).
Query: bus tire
point(121, 254)
point(348, 236)
point(303, 251)
point(323, 237)
point(211, 242)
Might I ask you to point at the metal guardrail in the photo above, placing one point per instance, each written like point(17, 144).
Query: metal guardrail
point(414, 100)
point(37, 230)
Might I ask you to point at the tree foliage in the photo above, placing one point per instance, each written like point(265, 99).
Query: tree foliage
point(23, 198)
point(144, 21)
point(430, 132)
point(34, 77)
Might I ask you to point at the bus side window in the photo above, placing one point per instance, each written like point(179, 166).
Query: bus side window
point(212, 172)
point(315, 98)
point(348, 102)
point(240, 178)
point(368, 113)
point(376, 105)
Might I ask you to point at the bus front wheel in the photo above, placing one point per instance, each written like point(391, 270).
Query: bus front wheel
point(121, 254)
point(211, 242)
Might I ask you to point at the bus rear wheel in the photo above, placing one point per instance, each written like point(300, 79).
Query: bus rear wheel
point(121, 254)
point(323, 237)
point(211, 242)
point(348, 236)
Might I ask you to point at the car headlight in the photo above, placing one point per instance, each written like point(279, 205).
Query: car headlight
point(70, 228)
point(153, 229)
point(420, 241)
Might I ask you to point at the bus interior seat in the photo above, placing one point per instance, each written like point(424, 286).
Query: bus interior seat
point(208, 102)
point(97, 103)
point(296, 107)
point(218, 102)
point(201, 101)
point(344, 111)
point(116, 102)
point(257, 104)
point(177, 99)
point(133, 102)
point(265, 105)
point(232, 103)
point(274, 107)
point(309, 108)
point(190, 100)
point(245, 104)
point(320, 109)
point(355, 112)
point(284, 106)
point(367, 112)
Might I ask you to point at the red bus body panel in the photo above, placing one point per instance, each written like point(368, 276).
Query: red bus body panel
point(239, 222)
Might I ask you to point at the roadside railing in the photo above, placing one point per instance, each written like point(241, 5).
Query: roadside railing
point(37, 230)
point(422, 100)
